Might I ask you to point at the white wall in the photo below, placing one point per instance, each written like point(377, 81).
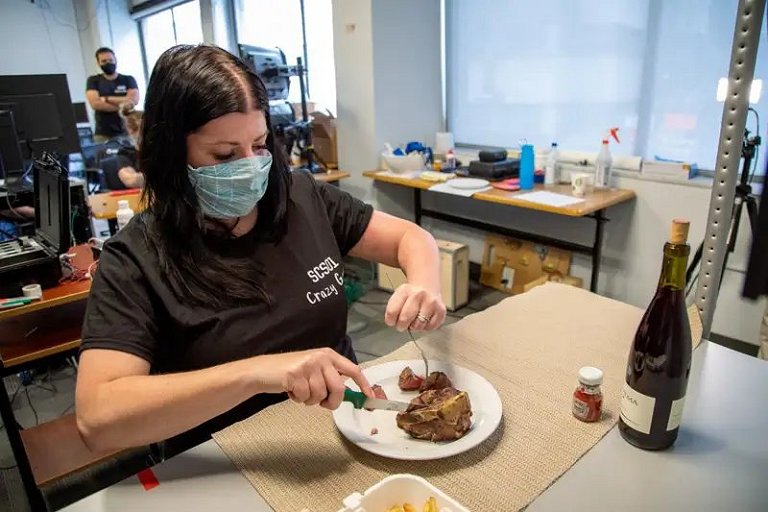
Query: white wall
point(353, 49)
point(42, 40)
point(388, 89)
point(387, 71)
point(218, 24)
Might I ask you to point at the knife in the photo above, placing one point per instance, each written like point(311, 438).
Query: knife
point(360, 401)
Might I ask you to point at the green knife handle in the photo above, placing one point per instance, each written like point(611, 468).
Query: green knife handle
point(355, 397)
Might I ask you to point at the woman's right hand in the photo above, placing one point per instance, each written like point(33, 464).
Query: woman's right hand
point(310, 377)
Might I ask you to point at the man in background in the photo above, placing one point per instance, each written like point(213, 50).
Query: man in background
point(106, 92)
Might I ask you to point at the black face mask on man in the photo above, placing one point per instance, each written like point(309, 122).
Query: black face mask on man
point(108, 68)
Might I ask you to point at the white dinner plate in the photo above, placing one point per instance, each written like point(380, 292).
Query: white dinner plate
point(391, 441)
point(469, 183)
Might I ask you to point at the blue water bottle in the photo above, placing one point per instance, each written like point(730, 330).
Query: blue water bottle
point(526, 167)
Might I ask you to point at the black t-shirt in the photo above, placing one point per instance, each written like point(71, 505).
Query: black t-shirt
point(127, 157)
point(132, 309)
point(109, 123)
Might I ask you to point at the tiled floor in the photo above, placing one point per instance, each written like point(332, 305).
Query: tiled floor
point(52, 395)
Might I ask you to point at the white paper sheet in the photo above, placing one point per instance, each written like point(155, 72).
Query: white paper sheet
point(549, 198)
point(446, 188)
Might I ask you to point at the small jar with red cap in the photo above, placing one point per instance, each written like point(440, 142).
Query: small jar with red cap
point(588, 397)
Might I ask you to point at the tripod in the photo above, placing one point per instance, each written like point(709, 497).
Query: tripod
point(303, 129)
point(743, 197)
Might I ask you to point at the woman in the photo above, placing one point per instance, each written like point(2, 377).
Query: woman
point(226, 294)
point(127, 155)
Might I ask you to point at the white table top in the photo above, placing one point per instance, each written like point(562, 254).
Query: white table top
point(720, 460)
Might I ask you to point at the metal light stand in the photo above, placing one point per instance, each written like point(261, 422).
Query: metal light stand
point(305, 141)
point(743, 196)
point(746, 36)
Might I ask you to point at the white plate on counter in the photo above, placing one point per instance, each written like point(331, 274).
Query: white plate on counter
point(469, 183)
point(391, 441)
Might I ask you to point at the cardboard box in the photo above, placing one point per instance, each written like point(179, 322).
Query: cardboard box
point(324, 138)
point(509, 264)
point(569, 280)
point(454, 274)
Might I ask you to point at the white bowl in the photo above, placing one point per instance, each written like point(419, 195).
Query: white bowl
point(402, 488)
point(402, 164)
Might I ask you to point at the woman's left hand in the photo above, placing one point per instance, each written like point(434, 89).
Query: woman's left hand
point(415, 307)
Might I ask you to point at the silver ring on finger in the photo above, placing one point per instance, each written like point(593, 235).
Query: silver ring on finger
point(423, 318)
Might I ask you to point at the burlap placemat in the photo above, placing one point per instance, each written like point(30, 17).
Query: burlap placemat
point(530, 347)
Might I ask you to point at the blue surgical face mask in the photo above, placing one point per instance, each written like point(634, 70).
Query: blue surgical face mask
point(231, 189)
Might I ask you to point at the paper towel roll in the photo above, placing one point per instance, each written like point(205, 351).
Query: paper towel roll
point(443, 142)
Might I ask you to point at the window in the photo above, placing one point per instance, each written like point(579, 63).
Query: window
point(178, 25)
point(277, 23)
point(566, 71)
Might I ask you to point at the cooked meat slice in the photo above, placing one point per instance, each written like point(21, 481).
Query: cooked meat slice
point(409, 381)
point(436, 380)
point(437, 415)
point(378, 392)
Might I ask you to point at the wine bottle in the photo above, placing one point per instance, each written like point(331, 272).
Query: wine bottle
point(660, 358)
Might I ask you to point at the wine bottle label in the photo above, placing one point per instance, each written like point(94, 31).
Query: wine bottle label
point(637, 409)
point(676, 414)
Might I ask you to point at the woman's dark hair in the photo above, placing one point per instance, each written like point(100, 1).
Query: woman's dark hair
point(189, 86)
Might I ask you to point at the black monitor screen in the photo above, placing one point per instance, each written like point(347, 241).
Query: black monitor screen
point(81, 113)
point(11, 161)
point(42, 109)
point(35, 117)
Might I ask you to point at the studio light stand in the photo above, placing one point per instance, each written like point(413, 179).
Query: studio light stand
point(743, 197)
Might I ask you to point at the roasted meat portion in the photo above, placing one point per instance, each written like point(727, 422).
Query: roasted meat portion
point(378, 392)
point(436, 380)
point(409, 381)
point(437, 415)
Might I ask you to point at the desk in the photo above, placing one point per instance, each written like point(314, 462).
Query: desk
point(332, 176)
point(104, 205)
point(33, 333)
point(593, 207)
point(718, 463)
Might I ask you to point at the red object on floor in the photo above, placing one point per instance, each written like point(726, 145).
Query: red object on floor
point(148, 479)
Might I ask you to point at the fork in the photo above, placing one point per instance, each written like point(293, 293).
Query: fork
point(413, 339)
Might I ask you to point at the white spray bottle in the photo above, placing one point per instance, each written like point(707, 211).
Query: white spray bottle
point(604, 160)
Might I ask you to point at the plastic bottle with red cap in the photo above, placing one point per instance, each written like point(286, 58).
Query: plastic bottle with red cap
point(604, 160)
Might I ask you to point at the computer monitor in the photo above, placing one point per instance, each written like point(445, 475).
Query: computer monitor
point(42, 111)
point(271, 66)
point(81, 113)
point(11, 160)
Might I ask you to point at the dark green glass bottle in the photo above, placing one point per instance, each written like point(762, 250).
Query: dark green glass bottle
point(660, 358)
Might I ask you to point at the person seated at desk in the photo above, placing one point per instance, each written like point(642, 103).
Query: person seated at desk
point(127, 155)
point(226, 295)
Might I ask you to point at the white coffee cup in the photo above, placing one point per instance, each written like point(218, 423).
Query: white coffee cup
point(580, 183)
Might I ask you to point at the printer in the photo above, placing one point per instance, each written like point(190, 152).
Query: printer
point(493, 165)
point(35, 259)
